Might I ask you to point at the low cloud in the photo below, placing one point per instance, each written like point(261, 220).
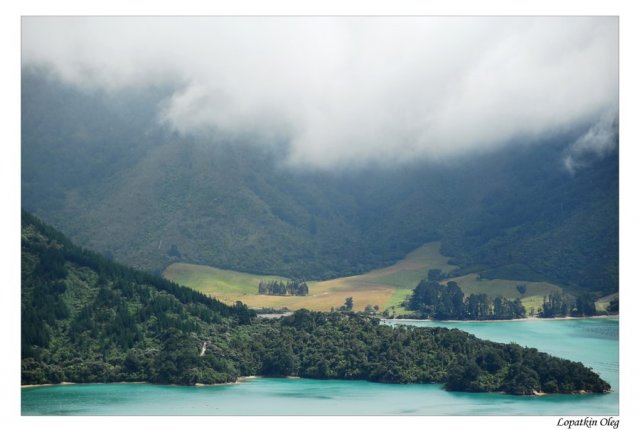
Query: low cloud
point(600, 140)
point(351, 90)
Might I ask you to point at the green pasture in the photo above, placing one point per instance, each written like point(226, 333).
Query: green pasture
point(385, 287)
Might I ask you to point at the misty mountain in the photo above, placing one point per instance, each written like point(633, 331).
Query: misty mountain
point(102, 168)
point(349, 90)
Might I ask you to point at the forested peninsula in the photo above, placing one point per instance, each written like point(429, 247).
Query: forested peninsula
point(88, 319)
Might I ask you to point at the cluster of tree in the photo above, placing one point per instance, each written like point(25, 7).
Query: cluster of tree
point(430, 299)
point(348, 305)
point(436, 275)
point(371, 309)
point(85, 319)
point(562, 305)
point(279, 288)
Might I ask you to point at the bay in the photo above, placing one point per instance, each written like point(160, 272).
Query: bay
point(591, 341)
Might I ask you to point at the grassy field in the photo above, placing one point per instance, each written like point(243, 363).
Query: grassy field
point(225, 285)
point(603, 303)
point(386, 287)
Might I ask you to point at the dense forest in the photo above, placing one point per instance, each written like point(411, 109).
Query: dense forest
point(279, 288)
point(104, 170)
point(88, 319)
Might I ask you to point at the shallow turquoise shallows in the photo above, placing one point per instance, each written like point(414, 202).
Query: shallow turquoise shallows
point(593, 342)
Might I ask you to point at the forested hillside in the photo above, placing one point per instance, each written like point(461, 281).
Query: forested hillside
point(102, 168)
point(85, 319)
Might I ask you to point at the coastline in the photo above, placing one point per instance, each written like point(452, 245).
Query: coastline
point(248, 378)
point(46, 385)
point(243, 379)
point(239, 380)
point(611, 317)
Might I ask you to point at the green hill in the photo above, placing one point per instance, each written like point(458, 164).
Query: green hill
point(85, 319)
point(102, 169)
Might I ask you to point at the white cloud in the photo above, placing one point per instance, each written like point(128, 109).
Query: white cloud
point(346, 90)
point(599, 140)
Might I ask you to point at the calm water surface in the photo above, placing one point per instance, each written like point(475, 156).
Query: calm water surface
point(593, 342)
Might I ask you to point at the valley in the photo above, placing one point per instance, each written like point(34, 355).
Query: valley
point(319, 215)
point(147, 197)
point(386, 287)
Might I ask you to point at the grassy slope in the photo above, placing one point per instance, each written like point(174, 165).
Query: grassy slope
point(385, 287)
point(603, 302)
point(227, 285)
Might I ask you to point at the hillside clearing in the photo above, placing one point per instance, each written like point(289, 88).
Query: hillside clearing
point(386, 287)
point(225, 285)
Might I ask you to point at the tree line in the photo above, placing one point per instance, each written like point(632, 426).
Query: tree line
point(562, 305)
point(279, 288)
point(430, 299)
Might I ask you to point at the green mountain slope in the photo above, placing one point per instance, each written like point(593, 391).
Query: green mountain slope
point(103, 170)
point(85, 319)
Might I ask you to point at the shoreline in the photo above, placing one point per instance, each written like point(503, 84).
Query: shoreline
point(239, 380)
point(243, 379)
point(612, 317)
point(50, 385)
point(248, 378)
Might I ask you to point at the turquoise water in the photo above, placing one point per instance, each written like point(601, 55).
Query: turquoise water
point(594, 342)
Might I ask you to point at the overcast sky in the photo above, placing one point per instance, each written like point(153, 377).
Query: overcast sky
point(344, 90)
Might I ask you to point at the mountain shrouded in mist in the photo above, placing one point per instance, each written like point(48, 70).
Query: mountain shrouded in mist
point(318, 147)
point(352, 90)
point(103, 171)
